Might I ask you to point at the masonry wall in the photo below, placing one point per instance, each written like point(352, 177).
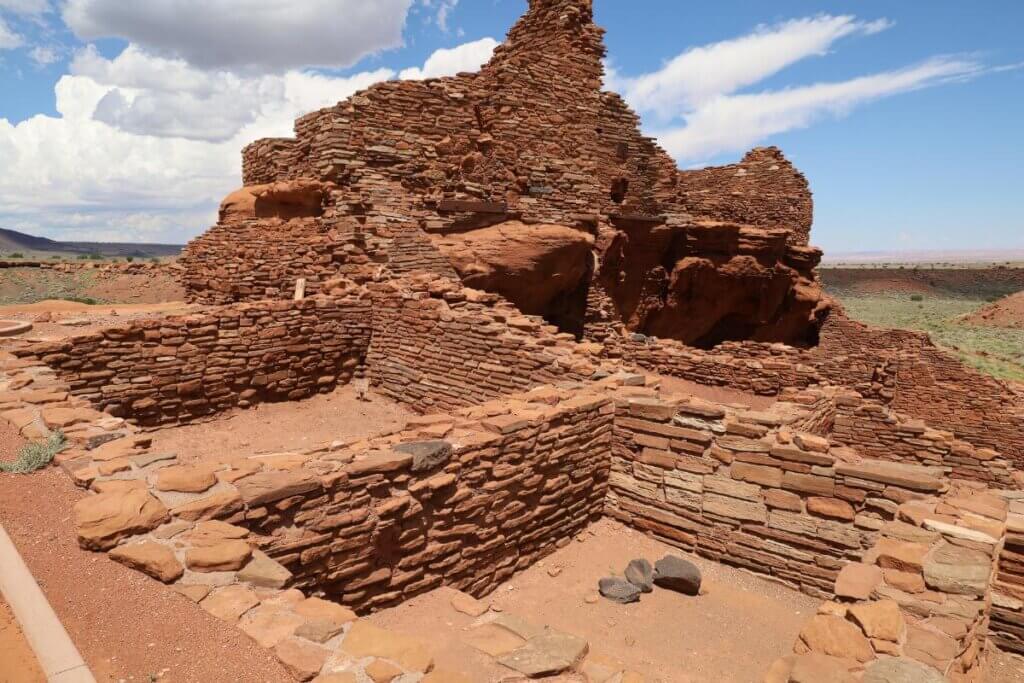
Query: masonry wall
point(877, 431)
point(375, 526)
point(438, 351)
point(181, 368)
point(738, 490)
point(764, 189)
point(927, 383)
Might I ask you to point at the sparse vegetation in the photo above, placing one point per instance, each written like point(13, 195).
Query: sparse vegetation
point(36, 455)
point(87, 300)
point(997, 351)
point(17, 254)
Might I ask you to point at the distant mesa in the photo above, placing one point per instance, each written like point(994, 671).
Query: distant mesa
point(12, 241)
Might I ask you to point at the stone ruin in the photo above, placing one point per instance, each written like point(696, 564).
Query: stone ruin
point(506, 255)
point(526, 180)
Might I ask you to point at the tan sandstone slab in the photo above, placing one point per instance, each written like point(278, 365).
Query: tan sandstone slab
point(150, 558)
point(366, 640)
point(106, 518)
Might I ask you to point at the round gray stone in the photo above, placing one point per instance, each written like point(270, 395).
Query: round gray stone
point(676, 574)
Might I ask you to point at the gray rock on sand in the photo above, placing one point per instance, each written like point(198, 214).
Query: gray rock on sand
point(618, 590)
point(640, 573)
point(676, 574)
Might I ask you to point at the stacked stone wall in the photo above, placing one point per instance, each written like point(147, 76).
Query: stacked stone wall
point(737, 489)
point(374, 526)
point(181, 368)
point(438, 351)
point(877, 431)
point(764, 189)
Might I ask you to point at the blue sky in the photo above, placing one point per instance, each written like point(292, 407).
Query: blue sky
point(123, 121)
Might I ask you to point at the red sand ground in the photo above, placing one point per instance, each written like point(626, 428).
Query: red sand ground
point(127, 626)
point(1006, 312)
point(274, 427)
point(667, 637)
point(17, 662)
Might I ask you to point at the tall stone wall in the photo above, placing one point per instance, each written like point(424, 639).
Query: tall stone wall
point(763, 189)
point(529, 139)
point(181, 368)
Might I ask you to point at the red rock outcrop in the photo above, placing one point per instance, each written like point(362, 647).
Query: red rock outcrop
point(414, 175)
point(537, 267)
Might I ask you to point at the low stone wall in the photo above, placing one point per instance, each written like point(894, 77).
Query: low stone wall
point(179, 368)
point(764, 369)
point(739, 489)
point(378, 523)
point(918, 603)
point(1007, 627)
point(438, 347)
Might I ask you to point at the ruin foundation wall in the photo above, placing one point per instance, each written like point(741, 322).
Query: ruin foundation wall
point(385, 520)
point(181, 368)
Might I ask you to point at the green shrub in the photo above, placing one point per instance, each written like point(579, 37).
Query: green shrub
point(87, 300)
point(917, 297)
point(35, 456)
point(55, 257)
point(96, 257)
point(17, 254)
point(129, 259)
point(83, 257)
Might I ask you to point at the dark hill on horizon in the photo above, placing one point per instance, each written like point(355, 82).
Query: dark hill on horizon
point(12, 241)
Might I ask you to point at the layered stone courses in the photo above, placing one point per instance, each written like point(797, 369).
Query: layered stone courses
point(380, 520)
point(396, 170)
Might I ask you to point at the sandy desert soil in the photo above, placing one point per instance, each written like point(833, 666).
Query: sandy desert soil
point(25, 285)
point(273, 427)
point(128, 627)
point(1006, 312)
point(17, 662)
point(668, 637)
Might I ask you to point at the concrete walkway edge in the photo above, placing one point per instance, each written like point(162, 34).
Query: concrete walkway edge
point(58, 657)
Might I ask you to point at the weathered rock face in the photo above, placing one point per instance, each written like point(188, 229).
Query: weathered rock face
point(498, 177)
point(542, 269)
point(708, 282)
point(286, 200)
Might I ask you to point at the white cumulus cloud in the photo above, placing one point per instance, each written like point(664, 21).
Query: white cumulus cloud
point(450, 61)
point(266, 35)
point(145, 147)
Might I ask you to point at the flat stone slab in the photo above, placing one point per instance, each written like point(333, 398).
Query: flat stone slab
point(916, 477)
point(548, 654)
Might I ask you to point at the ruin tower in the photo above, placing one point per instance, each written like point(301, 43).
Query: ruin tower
point(524, 179)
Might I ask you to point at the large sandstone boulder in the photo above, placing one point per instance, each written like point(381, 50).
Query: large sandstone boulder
point(538, 267)
point(289, 199)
